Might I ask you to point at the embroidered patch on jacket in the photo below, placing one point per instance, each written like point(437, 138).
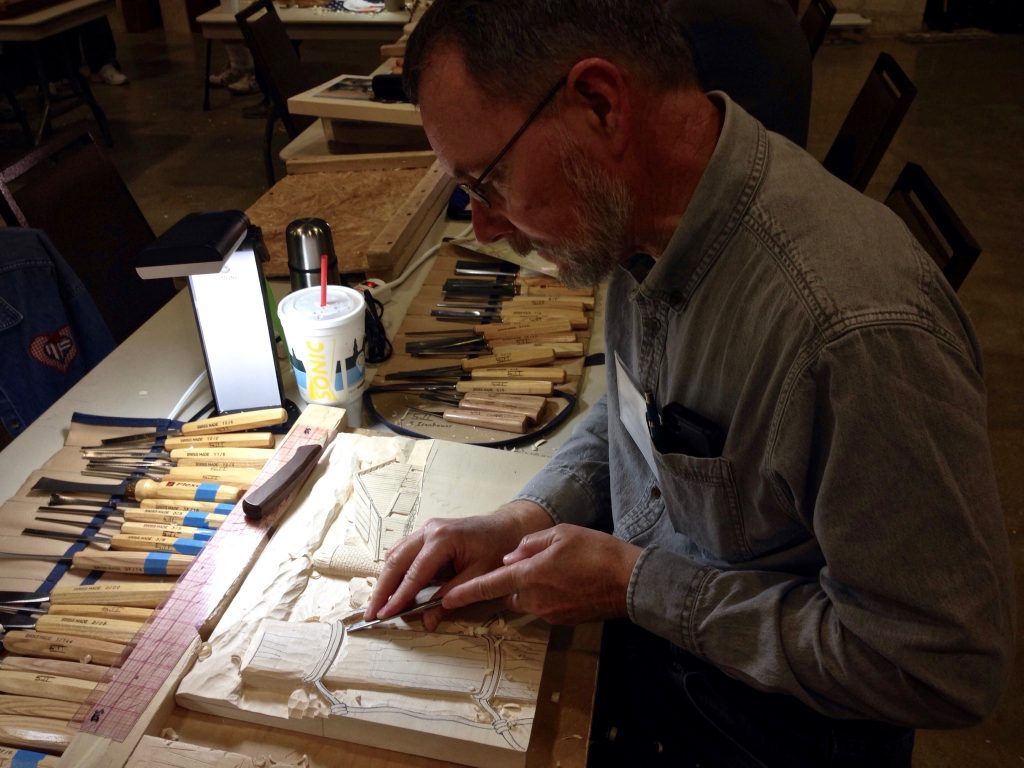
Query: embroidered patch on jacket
point(56, 349)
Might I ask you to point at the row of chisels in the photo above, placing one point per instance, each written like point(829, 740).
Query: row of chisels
point(171, 496)
point(506, 336)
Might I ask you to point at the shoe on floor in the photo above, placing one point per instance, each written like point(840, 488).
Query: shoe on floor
point(110, 75)
point(225, 77)
point(245, 85)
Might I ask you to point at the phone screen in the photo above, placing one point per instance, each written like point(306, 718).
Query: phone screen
point(236, 334)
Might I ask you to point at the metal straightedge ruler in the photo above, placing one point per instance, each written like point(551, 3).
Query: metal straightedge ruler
point(198, 595)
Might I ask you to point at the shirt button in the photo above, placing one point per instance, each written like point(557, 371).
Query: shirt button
point(655, 492)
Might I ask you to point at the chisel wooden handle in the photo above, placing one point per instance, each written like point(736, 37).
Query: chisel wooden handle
point(108, 630)
point(240, 479)
point(142, 594)
point(45, 686)
point(217, 508)
point(505, 422)
point(547, 373)
point(504, 386)
point(134, 542)
point(570, 302)
point(511, 357)
point(121, 612)
point(34, 706)
point(236, 422)
point(492, 403)
point(555, 289)
point(159, 516)
point(223, 457)
point(93, 672)
point(496, 331)
point(149, 563)
point(186, 490)
point(224, 440)
point(36, 732)
point(543, 339)
point(67, 647)
point(167, 530)
point(576, 318)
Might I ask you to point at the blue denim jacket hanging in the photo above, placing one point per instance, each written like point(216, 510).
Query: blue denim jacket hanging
point(51, 333)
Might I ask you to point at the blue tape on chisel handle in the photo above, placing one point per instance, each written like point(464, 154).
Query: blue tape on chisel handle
point(24, 758)
point(188, 546)
point(202, 534)
point(156, 563)
point(206, 492)
point(196, 520)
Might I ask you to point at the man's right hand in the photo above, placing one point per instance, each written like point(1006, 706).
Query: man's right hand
point(471, 545)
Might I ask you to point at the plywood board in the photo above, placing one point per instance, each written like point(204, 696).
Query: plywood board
point(393, 687)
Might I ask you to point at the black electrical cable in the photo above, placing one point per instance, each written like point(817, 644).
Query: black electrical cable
point(378, 346)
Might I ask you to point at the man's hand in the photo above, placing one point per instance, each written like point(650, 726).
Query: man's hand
point(471, 545)
point(566, 575)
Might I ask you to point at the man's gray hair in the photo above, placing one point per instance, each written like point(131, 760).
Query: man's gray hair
point(516, 49)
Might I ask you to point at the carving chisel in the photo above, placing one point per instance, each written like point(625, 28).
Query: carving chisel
point(222, 457)
point(141, 594)
point(93, 672)
point(498, 420)
point(107, 630)
point(36, 706)
point(159, 529)
point(45, 686)
point(360, 625)
point(234, 422)
point(47, 645)
point(148, 563)
point(548, 373)
point(169, 516)
point(239, 479)
point(126, 542)
point(144, 489)
point(511, 357)
point(124, 612)
point(492, 268)
point(36, 733)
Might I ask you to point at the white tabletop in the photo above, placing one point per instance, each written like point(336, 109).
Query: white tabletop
point(43, 23)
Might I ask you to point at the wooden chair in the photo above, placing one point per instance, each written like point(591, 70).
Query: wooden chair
point(915, 199)
point(278, 71)
point(815, 22)
point(69, 188)
point(871, 123)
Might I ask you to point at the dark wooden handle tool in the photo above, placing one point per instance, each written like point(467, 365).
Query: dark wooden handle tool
point(264, 499)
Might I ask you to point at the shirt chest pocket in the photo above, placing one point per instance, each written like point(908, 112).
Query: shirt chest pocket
point(702, 504)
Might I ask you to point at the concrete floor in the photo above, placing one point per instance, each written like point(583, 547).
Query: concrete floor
point(965, 128)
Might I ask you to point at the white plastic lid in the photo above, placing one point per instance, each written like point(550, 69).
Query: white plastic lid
point(303, 306)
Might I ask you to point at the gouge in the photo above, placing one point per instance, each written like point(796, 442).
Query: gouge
point(45, 686)
point(144, 489)
point(222, 457)
point(130, 542)
point(234, 422)
point(183, 517)
point(225, 440)
point(93, 672)
point(36, 733)
point(148, 563)
point(360, 625)
point(161, 529)
point(238, 478)
point(95, 611)
point(36, 706)
point(68, 647)
point(141, 594)
point(107, 630)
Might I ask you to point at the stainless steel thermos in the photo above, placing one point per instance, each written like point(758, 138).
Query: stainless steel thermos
point(307, 239)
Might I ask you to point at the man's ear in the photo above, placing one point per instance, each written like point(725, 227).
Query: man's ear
point(599, 88)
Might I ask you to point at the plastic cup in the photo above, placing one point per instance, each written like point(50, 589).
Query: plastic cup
point(326, 344)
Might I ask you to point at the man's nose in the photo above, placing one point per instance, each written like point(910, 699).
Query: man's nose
point(489, 226)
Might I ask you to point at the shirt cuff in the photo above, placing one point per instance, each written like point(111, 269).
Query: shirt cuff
point(562, 495)
point(662, 595)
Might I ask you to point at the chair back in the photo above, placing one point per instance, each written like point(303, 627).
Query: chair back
point(871, 123)
point(915, 199)
point(70, 189)
point(278, 68)
point(815, 23)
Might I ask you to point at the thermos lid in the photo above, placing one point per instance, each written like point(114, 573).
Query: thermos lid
point(306, 239)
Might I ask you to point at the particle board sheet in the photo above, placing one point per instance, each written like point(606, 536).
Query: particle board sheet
point(377, 216)
point(411, 414)
point(281, 655)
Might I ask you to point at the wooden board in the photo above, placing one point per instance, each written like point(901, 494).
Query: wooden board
point(466, 693)
point(377, 216)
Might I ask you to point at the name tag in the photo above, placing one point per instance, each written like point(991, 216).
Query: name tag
point(633, 413)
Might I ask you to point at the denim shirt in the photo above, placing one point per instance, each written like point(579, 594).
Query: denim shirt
point(848, 546)
point(51, 333)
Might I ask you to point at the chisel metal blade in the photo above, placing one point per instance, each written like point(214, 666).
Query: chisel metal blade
point(401, 614)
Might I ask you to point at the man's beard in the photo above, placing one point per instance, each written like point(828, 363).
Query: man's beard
point(604, 209)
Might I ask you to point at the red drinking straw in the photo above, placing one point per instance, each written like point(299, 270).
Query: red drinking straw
point(323, 279)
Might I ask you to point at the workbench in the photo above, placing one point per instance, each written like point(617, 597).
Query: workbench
point(144, 377)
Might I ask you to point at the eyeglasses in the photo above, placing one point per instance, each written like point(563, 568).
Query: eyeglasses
point(475, 187)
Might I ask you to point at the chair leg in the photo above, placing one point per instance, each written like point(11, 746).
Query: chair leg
point(268, 140)
point(206, 78)
point(19, 113)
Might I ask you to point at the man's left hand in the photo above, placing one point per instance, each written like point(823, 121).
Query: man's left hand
point(565, 575)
